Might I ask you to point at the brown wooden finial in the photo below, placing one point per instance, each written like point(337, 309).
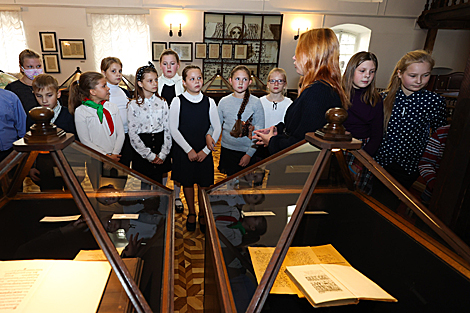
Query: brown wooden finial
point(334, 129)
point(43, 130)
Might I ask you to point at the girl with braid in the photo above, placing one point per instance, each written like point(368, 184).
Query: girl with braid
point(238, 111)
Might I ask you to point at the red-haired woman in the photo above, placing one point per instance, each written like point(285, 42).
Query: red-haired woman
point(317, 60)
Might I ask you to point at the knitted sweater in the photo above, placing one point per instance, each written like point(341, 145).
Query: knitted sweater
point(228, 110)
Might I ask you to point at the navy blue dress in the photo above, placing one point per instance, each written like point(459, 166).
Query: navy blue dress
point(194, 122)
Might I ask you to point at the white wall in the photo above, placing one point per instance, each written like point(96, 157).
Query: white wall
point(392, 23)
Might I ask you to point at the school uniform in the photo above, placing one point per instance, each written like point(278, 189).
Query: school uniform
point(150, 136)
point(190, 119)
point(170, 88)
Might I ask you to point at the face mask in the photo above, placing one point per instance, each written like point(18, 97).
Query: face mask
point(32, 73)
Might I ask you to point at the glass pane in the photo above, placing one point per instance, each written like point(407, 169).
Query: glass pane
point(214, 25)
point(272, 27)
point(381, 251)
point(252, 27)
point(234, 28)
point(269, 52)
point(131, 209)
point(269, 190)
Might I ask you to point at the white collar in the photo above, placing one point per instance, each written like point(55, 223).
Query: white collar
point(170, 81)
point(194, 99)
point(111, 85)
point(56, 110)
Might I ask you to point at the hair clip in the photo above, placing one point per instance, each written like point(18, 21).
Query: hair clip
point(141, 70)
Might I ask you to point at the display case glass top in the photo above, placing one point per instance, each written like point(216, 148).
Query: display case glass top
point(85, 205)
point(306, 196)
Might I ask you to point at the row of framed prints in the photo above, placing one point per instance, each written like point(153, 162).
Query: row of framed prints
point(70, 49)
point(202, 50)
point(73, 49)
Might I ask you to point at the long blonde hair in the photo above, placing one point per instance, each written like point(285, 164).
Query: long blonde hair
point(317, 55)
point(371, 96)
point(416, 56)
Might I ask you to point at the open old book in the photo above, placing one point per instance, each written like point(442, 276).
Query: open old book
point(330, 285)
point(260, 257)
point(52, 286)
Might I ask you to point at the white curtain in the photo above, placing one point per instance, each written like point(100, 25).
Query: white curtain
point(12, 40)
point(123, 36)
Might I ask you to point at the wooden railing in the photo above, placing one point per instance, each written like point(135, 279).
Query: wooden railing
point(438, 4)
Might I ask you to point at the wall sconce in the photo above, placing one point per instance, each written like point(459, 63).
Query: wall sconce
point(295, 36)
point(300, 23)
point(175, 18)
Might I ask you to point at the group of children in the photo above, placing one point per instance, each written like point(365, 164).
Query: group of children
point(170, 125)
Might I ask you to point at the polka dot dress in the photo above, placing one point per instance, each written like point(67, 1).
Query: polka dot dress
point(409, 128)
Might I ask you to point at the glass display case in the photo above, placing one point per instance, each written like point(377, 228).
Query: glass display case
point(306, 196)
point(217, 87)
point(257, 87)
point(86, 201)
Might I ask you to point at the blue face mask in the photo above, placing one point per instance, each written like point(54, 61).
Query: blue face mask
point(32, 73)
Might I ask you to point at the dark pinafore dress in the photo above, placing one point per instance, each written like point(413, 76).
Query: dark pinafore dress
point(194, 122)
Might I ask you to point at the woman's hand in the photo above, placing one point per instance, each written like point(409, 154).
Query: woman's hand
point(244, 160)
point(201, 155)
point(157, 160)
point(210, 143)
point(133, 247)
point(264, 135)
point(192, 155)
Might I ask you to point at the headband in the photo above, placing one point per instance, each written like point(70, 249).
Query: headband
point(141, 70)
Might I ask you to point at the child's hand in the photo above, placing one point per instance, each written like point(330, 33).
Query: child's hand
point(192, 155)
point(157, 160)
point(34, 174)
point(201, 155)
point(245, 160)
point(115, 157)
point(210, 143)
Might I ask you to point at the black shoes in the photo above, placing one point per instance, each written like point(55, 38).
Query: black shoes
point(179, 208)
point(202, 227)
point(191, 226)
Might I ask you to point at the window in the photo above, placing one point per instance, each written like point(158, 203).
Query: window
point(12, 40)
point(347, 48)
point(352, 39)
point(123, 36)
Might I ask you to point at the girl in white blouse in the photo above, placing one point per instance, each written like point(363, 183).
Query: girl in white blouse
point(148, 126)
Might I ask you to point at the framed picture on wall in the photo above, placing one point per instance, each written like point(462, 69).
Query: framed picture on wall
point(214, 50)
point(201, 50)
point(226, 51)
point(48, 41)
point(51, 63)
point(157, 49)
point(184, 50)
point(241, 52)
point(73, 49)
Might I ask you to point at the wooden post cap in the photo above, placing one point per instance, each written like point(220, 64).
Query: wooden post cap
point(43, 129)
point(334, 129)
